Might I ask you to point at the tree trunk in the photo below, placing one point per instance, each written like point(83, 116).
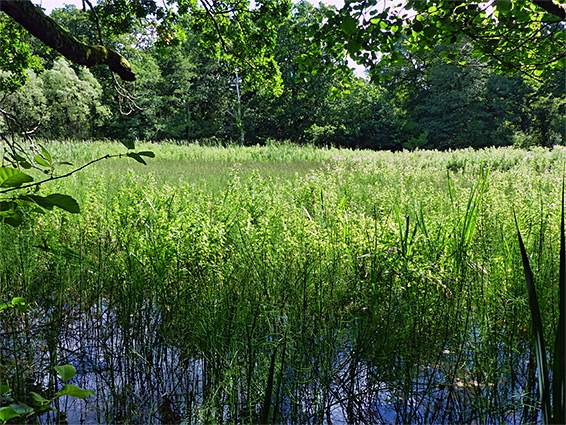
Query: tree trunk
point(49, 32)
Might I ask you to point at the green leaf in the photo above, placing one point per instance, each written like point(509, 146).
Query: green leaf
point(503, 5)
point(22, 307)
point(4, 388)
point(11, 218)
point(462, 8)
point(7, 413)
point(46, 154)
point(349, 25)
point(65, 202)
point(430, 31)
point(17, 157)
point(38, 400)
point(149, 154)
point(18, 300)
point(21, 160)
point(353, 47)
point(12, 177)
point(66, 372)
point(417, 26)
point(129, 144)
point(40, 161)
point(14, 411)
point(538, 331)
point(42, 201)
point(74, 391)
point(137, 157)
point(8, 206)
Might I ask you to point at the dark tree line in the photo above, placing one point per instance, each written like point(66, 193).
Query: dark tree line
point(184, 94)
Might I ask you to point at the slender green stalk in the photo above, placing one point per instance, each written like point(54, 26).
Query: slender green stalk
point(557, 415)
point(538, 332)
point(559, 369)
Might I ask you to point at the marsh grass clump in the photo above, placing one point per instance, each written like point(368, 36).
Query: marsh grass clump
point(289, 284)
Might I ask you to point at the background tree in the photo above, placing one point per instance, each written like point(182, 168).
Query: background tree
point(74, 99)
point(16, 55)
point(460, 106)
point(287, 116)
point(28, 103)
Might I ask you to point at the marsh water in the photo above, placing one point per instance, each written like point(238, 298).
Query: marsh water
point(139, 377)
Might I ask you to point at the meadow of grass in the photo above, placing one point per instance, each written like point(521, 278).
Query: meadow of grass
point(289, 284)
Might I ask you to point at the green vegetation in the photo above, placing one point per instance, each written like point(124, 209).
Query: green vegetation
point(281, 284)
point(557, 400)
point(304, 284)
point(184, 92)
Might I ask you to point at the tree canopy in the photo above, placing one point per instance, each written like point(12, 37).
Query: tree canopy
point(232, 29)
point(191, 59)
point(53, 35)
point(527, 36)
point(520, 35)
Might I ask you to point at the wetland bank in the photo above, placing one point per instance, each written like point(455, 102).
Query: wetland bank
point(287, 284)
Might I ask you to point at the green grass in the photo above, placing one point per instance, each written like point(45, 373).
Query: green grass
point(296, 280)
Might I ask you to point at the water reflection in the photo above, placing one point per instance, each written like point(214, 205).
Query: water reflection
point(139, 376)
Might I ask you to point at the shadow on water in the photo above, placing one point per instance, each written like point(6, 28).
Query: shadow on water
point(138, 376)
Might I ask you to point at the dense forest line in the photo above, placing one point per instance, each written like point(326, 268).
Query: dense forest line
point(183, 94)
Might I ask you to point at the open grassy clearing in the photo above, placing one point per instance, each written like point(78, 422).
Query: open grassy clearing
point(291, 284)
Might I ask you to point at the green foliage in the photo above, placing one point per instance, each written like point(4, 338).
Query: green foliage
point(40, 404)
point(551, 395)
point(302, 101)
point(13, 207)
point(28, 103)
point(513, 36)
point(368, 119)
point(16, 56)
point(458, 106)
point(184, 93)
point(293, 268)
point(59, 102)
point(74, 101)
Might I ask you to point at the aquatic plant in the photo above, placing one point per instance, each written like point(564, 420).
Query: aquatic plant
point(552, 392)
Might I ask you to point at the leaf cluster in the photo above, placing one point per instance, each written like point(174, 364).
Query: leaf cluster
point(16, 56)
point(516, 36)
point(41, 405)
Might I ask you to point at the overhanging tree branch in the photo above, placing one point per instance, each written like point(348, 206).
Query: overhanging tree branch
point(553, 8)
point(54, 36)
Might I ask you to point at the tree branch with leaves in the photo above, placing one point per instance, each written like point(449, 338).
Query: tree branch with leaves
point(53, 35)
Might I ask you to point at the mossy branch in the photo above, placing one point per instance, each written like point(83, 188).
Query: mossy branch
point(53, 35)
